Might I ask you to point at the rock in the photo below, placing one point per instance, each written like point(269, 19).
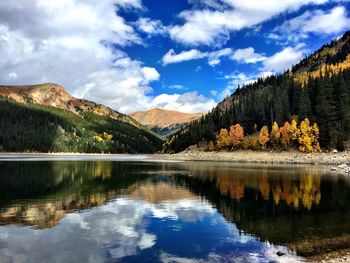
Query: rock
point(280, 253)
point(334, 151)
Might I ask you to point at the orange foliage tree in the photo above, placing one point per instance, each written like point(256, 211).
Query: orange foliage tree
point(236, 134)
point(264, 136)
point(224, 139)
point(285, 132)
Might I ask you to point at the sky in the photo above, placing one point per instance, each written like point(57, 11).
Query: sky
point(184, 55)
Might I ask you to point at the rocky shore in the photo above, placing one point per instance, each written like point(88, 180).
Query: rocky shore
point(339, 160)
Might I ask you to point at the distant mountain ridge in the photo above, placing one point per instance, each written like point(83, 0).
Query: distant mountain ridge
point(54, 95)
point(46, 118)
point(163, 121)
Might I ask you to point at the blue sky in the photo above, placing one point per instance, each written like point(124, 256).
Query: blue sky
point(184, 55)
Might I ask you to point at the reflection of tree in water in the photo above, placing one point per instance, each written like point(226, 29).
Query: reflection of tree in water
point(295, 189)
point(276, 205)
point(52, 189)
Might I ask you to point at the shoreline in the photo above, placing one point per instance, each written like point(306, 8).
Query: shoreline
point(240, 156)
point(256, 157)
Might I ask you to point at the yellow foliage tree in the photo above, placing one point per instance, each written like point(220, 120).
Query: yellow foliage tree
point(275, 134)
point(224, 139)
point(294, 131)
point(264, 136)
point(236, 134)
point(306, 137)
point(316, 135)
point(285, 132)
point(107, 137)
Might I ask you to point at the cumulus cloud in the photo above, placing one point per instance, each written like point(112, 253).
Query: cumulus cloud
point(214, 57)
point(151, 27)
point(247, 55)
point(191, 102)
point(235, 80)
point(240, 79)
point(70, 43)
point(332, 21)
point(284, 59)
point(212, 21)
point(171, 57)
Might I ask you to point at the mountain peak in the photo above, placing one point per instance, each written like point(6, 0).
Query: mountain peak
point(55, 95)
point(164, 121)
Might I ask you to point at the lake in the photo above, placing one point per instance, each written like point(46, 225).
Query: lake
point(134, 210)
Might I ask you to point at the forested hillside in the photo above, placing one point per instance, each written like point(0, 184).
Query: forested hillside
point(33, 127)
point(318, 88)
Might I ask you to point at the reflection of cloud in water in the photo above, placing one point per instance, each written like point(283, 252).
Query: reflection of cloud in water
point(114, 230)
point(120, 229)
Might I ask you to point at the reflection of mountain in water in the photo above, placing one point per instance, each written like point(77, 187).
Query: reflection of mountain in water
point(276, 204)
point(49, 190)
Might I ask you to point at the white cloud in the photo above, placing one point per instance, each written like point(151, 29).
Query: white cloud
point(117, 229)
point(241, 79)
point(171, 57)
point(247, 55)
point(332, 22)
point(214, 57)
point(212, 24)
point(176, 86)
point(284, 59)
point(318, 22)
point(214, 92)
point(235, 80)
point(191, 102)
point(149, 26)
point(70, 43)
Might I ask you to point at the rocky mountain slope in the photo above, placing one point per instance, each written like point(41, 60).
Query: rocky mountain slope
point(164, 122)
point(46, 118)
point(54, 95)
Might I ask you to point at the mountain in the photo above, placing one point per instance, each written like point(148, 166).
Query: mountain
point(164, 122)
point(46, 118)
point(318, 87)
point(54, 95)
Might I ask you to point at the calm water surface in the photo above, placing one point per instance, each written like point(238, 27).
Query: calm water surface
point(107, 211)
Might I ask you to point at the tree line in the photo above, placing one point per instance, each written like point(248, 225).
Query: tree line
point(324, 100)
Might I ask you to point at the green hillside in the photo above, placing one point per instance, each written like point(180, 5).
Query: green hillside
point(38, 128)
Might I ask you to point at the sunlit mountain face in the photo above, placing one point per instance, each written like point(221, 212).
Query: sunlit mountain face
point(186, 55)
point(168, 212)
